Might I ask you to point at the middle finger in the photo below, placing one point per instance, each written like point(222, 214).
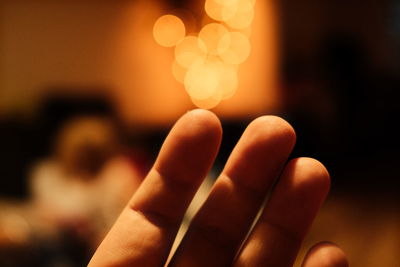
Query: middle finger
point(222, 223)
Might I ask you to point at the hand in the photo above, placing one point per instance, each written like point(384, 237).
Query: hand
point(145, 230)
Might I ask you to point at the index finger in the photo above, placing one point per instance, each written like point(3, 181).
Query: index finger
point(145, 230)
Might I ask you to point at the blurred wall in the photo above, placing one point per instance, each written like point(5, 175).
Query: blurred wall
point(50, 43)
point(108, 44)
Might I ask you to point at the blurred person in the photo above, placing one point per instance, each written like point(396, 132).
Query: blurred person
point(63, 221)
point(85, 167)
point(221, 233)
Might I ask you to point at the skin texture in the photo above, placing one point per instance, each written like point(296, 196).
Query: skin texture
point(145, 230)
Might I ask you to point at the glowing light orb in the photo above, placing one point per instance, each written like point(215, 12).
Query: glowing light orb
point(201, 80)
point(210, 102)
point(178, 72)
point(228, 80)
point(212, 35)
point(243, 17)
point(207, 64)
point(220, 11)
point(188, 50)
point(238, 50)
point(234, 2)
point(168, 30)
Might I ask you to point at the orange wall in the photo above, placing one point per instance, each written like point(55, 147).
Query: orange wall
point(109, 44)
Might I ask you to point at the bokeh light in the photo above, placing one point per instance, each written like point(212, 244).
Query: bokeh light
point(238, 50)
point(228, 80)
point(211, 35)
point(178, 71)
point(201, 80)
point(168, 30)
point(220, 11)
point(234, 2)
point(207, 64)
point(243, 17)
point(210, 102)
point(189, 49)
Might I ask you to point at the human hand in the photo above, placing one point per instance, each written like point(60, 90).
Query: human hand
point(146, 228)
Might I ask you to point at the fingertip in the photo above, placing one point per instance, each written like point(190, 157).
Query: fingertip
point(204, 121)
point(310, 173)
point(199, 130)
point(325, 254)
point(191, 146)
point(261, 151)
point(281, 129)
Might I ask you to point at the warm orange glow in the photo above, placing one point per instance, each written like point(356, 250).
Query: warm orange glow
point(211, 35)
point(210, 102)
point(234, 2)
point(168, 30)
point(247, 31)
point(201, 80)
point(116, 50)
point(243, 17)
point(207, 64)
point(238, 50)
point(178, 71)
point(188, 50)
point(211, 81)
point(220, 10)
point(228, 80)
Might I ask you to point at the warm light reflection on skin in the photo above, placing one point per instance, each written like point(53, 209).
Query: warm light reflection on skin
point(168, 30)
point(208, 64)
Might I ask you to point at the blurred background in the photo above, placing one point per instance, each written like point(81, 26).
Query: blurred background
point(87, 96)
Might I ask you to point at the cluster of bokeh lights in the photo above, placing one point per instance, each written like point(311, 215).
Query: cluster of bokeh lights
point(207, 63)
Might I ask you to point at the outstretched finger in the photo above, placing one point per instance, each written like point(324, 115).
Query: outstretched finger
point(222, 223)
point(287, 216)
point(145, 230)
